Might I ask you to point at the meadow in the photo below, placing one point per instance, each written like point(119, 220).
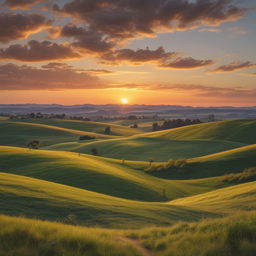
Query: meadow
point(62, 200)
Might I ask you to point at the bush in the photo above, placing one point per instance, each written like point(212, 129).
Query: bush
point(134, 125)
point(94, 152)
point(247, 175)
point(107, 130)
point(171, 165)
point(35, 144)
point(87, 137)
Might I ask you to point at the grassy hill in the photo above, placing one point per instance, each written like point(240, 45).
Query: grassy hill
point(95, 127)
point(141, 148)
point(19, 134)
point(107, 176)
point(50, 201)
point(231, 161)
point(242, 131)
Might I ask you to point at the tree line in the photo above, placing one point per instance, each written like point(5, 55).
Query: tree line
point(174, 123)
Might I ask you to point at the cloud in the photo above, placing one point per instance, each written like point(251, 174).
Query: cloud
point(136, 57)
point(122, 20)
point(53, 76)
point(232, 67)
point(186, 63)
point(16, 26)
point(87, 40)
point(35, 51)
point(21, 4)
point(239, 30)
point(210, 30)
point(250, 74)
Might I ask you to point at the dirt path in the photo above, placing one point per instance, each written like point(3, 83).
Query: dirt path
point(136, 243)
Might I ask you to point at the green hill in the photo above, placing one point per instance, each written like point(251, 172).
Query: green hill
point(95, 127)
point(107, 176)
point(141, 148)
point(19, 134)
point(50, 201)
point(242, 131)
point(231, 161)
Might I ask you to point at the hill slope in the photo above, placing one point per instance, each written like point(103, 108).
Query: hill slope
point(141, 148)
point(107, 176)
point(46, 200)
point(19, 134)
point(95, 127)
point(242, 131)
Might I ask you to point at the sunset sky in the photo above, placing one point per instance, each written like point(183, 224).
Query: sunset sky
point(172, 52)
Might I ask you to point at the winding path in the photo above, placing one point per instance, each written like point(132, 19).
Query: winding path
point(136, 243)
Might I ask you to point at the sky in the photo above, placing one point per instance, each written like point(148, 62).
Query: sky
point(170, 52)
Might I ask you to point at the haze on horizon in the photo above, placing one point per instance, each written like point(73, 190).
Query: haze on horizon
point(172, 52)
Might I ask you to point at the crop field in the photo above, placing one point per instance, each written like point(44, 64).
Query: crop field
point(62, 199)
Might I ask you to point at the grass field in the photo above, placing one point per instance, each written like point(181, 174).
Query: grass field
point(95, 127)
point(242, 131)
point(141, 148)
point(230, 236)
point(63, 182)
point(107, 176)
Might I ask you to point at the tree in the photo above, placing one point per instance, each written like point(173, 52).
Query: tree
point(135, 125)
point(94, 152)
point(123, 160)
point(155, 126)
point(34, 144)
point(32, 115)
point(107, 130)
point(151, 160)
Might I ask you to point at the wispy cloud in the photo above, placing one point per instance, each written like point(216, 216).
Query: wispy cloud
point(210, 30)
point(232, 67)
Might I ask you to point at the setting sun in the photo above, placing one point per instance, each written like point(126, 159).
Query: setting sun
point(125, 101)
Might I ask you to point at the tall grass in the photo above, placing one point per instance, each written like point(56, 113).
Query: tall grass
point(231, 236)
point(248, 174)
point(173, 166)
point(23, 237)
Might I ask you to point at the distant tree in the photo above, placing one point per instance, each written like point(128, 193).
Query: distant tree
point(32, 115)
point(151, 160)
point(132, 117)
point(135, 125)
point(123, 160)
point(94, 152)
point(107, 130)
point(87, 137)
point(34, 144)
point(155, 126)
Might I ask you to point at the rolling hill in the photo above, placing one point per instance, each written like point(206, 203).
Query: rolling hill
point(141, 148)
point(242, 131)
point(107, 176)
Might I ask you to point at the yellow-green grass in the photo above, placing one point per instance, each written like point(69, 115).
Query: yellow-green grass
point(242, 131)
point(225, 200)
point(26, 237)
point(102, 175)
point(95, 127)
point(19, 134)
point(219, 164)
point(23, 196)
point(230, 236)
point(3, 118)
point(141, 148)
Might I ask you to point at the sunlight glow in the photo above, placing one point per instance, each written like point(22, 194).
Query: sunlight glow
point(125, 101)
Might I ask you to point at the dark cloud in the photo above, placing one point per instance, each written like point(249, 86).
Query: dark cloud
point(186, 63)
point(232, 67)
point(86, 40)
point(54, 76)
point(15, 26)
point(127, 19)
point(138, 57)
point(35, 51)
point(21, 4)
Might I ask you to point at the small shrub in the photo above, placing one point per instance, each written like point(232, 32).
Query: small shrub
point(87, 137)
point(134, 125)
point(94, 152)
point(107, 130)
point(151, 160)
point(248, 174)
point(34, 144)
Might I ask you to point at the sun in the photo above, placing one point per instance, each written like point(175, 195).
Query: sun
point(125, 101)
